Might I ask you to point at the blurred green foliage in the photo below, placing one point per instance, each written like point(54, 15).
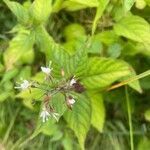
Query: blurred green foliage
point(101, 42)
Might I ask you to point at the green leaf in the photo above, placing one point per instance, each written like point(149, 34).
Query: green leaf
point(27, 97)
point(135, 84)
point(98, 110)
point(101, 72)
point(107, 37)
point(58, 103)
point(21, 44)
point(9, 75)
point(40, 10)
point(134, 28)
point(79, 118)
point(20, 12)
point(73, 5)
point(114, 50)
point(100, 9)
point(57, 6)
point(43, 41)
point(4, 95)
point(78, 62)
point(49, 127)
point(127, 4)
point(25, 73)
point(90, 3)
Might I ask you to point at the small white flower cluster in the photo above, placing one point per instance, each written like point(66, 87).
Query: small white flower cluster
point(70, 101)
point(47, 70)
point(24, 85)
point(73, 81)
point(45, 115)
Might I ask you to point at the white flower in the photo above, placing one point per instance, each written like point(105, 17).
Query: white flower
point(44, 114)
point(24, 85)
point(71, 101)
point(73, 81)
point(47, 70)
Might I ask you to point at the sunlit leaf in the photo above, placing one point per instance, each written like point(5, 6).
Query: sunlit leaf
point(134, 28)
point(79, 118)
point(99, 12)
point(40, 10)
point(101, 72)
point(20, 12)
point(21, 44)
point(98, 111)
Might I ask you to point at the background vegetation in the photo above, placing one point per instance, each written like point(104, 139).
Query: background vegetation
point(114, 35)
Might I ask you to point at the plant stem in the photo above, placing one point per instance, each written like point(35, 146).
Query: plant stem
point(129, 118)
point(10, 126)
point(142, 75)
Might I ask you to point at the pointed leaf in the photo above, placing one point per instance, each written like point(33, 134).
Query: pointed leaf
point(99, 12)
point(98, 110)
point(134, 28)
point(18, 46)
point(101, 72)
point(79, 118)
point(40, 10)
point(20, 12)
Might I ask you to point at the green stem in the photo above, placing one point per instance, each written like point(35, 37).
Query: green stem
point(137, 77)
point(10, 126)
point(129, 118)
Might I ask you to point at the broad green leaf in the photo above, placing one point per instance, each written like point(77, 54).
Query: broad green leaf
point(101, 72)
point(28, 98)
point(135, 84)
point(43, 41)
point(96, 46)
point(9, 75)
point(21, 44)
point(90, 3)
point(98, 111)
point(79, 118)
point(73, 5)
point(78, 62)
point(67, 142)
point(20, 12)
point(114, 50)
point(48, 128)
point(25, 73)
point(40, 10)
point(60, 60)
point(58, 103)
point(99, 12)
point(4, 95)
point(134, 28)
point(107, 37)
point(127, 4)
point(57, 6)
point(72, 65)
